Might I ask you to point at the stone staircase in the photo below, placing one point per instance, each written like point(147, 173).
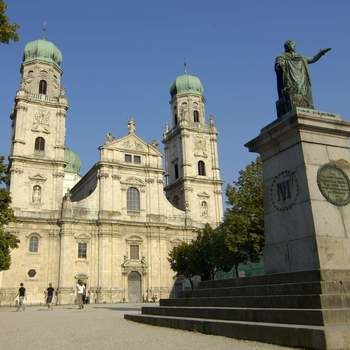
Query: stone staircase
point(308, 309)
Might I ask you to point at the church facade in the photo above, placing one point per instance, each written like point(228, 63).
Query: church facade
point(114, 227)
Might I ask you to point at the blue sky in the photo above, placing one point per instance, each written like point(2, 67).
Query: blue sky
point(120, 57)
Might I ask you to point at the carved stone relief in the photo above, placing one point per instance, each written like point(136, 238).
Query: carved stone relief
point(38, 178)
point(41, 121)
point(126, 144)
point(200, 147)
point(284, 190)
point(43, 73)
point(132, 144)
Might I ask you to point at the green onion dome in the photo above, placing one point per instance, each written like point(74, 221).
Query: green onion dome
point(42, 50)
point(73, 161)
point(186, 84)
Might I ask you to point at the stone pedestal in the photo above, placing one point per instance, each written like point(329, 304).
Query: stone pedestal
point(304, 299)
point(306, 164)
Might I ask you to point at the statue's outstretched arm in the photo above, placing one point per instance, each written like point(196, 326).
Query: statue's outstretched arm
point(318, 55)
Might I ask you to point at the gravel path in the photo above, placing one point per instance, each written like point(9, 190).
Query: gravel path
point(101, 327)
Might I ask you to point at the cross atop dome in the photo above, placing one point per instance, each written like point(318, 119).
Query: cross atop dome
point(44, 30)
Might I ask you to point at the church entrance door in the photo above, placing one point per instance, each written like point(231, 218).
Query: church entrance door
point(134, 287)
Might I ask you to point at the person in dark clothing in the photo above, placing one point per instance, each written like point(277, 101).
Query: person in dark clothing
point(21, 294)
point(49, 292)
point(84, 295)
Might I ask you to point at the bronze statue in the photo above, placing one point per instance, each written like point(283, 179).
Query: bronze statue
point(293, 79)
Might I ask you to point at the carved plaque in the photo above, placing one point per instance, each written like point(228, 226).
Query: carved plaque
point(41, 121)
point(200, 147)
point(284, 190)
point(334, 184)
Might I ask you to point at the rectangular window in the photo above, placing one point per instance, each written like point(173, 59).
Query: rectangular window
point(133, 199)
point(128, 158)
point(176, 171)
point(82, 250)
point(134, 252)
point(137, 159)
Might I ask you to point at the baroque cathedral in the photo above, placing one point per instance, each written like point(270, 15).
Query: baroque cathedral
point(113, 227)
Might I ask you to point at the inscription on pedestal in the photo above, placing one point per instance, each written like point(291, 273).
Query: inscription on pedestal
point(334, 184)
point(284, 190)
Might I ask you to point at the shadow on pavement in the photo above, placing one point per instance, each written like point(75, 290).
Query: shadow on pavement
point(111, 308)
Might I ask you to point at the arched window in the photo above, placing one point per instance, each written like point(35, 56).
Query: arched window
point(36, 196)
point(42, 87)
point(175, 119)
point(196, 116)
point(133, 199)
point(34, 244)
point(39, 144)
point(176, 171)
point(201, 168)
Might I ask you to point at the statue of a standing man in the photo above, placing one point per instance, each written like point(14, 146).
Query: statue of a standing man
point(293, 79)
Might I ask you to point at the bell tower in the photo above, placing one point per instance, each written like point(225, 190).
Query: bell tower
point(192, 167)
point(38, 132)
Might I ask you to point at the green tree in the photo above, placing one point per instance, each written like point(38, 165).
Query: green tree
point(182, 260)
point(243, 226)
point(8, 31)
point(8, 241)
point(212, 252)
point(203, 256)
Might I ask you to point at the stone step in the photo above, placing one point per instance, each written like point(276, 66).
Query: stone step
point(324, 287)
point(286, 316)
point(275, 301)
point(280, 278)
point(312, 337)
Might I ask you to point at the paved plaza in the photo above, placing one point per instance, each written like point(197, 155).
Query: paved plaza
point(101, 327)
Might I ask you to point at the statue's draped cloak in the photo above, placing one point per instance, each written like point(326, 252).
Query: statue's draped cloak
point(293, 76)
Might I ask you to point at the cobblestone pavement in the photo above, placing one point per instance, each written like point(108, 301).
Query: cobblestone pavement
point(101, 327)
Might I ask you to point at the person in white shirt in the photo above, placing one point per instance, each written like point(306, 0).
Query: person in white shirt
point(80, 294)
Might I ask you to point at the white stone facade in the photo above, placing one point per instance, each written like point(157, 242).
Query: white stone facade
point(115, 227)
point(191, 156)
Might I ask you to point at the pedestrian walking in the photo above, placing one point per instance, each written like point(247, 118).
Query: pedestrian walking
point(21, 294)
point(88, 298)
point(49, 292)
point(80, 290)
point(84, 295)
point(56, 296)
